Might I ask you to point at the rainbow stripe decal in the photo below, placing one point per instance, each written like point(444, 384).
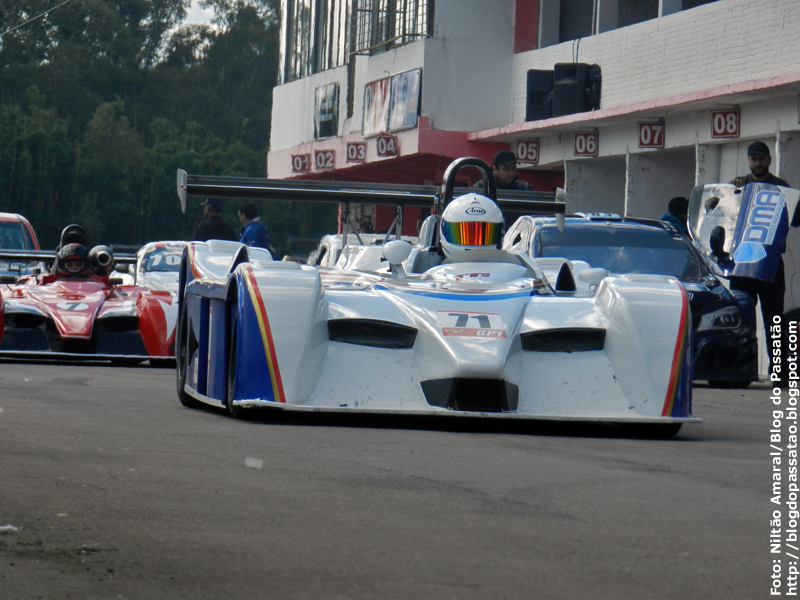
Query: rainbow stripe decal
point(192, 266)
point(677, 356)
point(266, 334)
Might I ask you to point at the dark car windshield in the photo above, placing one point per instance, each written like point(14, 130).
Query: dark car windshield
point(14, 236)
point(622, 250)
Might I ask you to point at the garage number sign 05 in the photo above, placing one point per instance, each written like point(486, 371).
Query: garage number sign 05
point(528, 151)
point(586, 143)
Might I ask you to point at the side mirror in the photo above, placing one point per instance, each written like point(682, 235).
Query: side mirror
point(396, 251)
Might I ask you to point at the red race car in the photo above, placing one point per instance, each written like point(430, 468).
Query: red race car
point(74, 310)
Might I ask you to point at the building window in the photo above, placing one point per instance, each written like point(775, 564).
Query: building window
point(379, 25)
point(316, 36)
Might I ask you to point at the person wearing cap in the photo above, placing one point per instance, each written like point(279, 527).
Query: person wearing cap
point(677, 214)
point(769, 293)
point(214, 227)
point(504, 167)
point(759, 160)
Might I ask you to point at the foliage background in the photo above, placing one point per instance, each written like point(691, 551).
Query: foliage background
point(101, 101)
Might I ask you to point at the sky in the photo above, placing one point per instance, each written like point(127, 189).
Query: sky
point(198, 15)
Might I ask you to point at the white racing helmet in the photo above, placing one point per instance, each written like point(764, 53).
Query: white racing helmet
point(471, 221)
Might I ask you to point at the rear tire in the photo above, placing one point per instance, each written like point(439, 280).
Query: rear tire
point(182, 360)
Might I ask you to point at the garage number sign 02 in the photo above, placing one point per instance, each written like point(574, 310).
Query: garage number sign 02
point(324, 159)
point(725, 123)
point(586, 143)
point(651, 135)
point(528, 151)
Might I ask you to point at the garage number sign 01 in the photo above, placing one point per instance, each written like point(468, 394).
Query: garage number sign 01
point(651, 135)
point(357, 152)
point(528, 151)
point(324, 159)
point(586, 143)
point(301, 163)
point(725, 123)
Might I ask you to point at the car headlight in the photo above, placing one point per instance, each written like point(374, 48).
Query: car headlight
point(724, 318)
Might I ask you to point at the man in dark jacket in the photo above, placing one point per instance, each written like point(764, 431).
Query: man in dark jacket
point(214, 227)
point(504, 167)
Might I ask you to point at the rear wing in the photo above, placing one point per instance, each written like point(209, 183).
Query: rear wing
point(424, 196)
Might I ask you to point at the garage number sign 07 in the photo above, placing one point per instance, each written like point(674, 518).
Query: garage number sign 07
point(651, 135)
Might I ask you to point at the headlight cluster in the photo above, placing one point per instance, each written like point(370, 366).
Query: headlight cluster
point(724, 318)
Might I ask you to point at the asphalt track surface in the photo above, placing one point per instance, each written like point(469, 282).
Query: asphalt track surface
point(117, 491)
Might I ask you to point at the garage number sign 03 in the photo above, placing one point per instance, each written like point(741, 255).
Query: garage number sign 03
point(651, 135)
point(357, 152)
point(725, 123)
point(528, 151)
point(586, 143)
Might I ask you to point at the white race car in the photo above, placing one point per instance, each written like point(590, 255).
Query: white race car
point(454, 327)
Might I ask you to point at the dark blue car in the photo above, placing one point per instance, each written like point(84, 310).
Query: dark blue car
point(724, 321)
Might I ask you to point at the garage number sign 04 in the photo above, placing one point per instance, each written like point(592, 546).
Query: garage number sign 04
point(586, 143)
point(651, 135)
point(725, 123)
point(386, 145)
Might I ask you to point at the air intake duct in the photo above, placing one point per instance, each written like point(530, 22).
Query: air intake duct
point(564, 339)
point(371, 332)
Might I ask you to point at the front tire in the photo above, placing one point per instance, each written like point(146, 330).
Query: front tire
point(650, 431)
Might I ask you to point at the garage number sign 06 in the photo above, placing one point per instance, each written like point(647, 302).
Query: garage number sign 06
point(586, 143)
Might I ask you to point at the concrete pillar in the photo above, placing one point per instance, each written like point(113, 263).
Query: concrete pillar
point(596, 185)
point(707, 164)
point(786, 164)
point(655, 177)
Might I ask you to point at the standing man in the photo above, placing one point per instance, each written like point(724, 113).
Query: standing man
point(769, 293)
point(214, 227)
point(254, 232)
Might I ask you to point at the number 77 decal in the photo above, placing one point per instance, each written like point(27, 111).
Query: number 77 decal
point(471, 324)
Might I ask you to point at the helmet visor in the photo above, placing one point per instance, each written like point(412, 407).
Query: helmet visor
point(473, 233)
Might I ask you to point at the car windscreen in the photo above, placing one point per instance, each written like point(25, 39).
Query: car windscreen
point(623, 251)
point(14, 236)
point(162, 259)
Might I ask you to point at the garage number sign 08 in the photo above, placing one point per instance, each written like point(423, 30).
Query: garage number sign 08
point(725, 123)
